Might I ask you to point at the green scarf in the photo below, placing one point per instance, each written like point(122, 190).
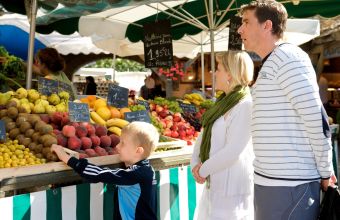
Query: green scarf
point(222, 105)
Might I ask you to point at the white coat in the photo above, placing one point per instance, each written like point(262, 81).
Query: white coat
point(230, 195)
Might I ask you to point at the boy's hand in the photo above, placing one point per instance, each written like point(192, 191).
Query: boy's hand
point(59, 150)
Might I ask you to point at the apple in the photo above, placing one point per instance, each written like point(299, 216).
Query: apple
point(153, 113)
point(169, 118)
point(177, 114)
point(152, 106)
point(174, 134)
point(177, 119)
point(163, 123)
point(169, 124)
point(159, 108)
point(167, 132)
point(163, 113)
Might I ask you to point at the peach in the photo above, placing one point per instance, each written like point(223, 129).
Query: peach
point(74, 143)
point(95, 140)
point(69, 131)
point(86, 142)
point(81, 131)
point(105, 141)
point(101, 131)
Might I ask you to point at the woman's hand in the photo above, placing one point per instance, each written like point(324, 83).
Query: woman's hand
point(195, 173)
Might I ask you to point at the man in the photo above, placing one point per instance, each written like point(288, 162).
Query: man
point(291, 138)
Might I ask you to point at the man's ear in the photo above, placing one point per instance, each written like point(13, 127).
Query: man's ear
point(140, 150)
point(268, 25)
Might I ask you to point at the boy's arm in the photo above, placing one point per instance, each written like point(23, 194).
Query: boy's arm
point(96, 174)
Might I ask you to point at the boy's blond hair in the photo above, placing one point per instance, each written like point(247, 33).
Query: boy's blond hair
point(143, 134)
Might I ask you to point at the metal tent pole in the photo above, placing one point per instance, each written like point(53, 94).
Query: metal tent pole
point(212, 53)
point(202, 65)
point(32, 14)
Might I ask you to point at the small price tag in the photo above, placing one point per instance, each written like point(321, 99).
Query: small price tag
point(79, 112)
point(47, 86)
point(117, 96)
point(137, 116)
point(2, 130)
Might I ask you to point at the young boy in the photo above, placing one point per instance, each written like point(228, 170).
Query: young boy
point(136, 184)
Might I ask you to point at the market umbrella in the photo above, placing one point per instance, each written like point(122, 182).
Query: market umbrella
point(14, 32)
point(188, 18)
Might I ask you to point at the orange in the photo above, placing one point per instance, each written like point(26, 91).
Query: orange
point(123, 110)
point(115, 113)
point(91, 98)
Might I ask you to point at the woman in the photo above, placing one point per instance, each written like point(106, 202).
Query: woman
point(50, 64)
point(222, 157)
point(90, 86)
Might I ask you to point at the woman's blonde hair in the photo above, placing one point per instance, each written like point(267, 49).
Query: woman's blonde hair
point(239, 65)
point(143, 134)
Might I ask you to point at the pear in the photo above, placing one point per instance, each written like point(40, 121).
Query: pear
point(54, 99)
point(33, 95)
point(4, 98)
point(21, 93)
point(39, 108)
point(50, 109)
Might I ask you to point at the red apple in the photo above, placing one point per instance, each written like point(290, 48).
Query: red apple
point(177, 119)
point(169, 118)
point(167, 132)
point(159, 108)
point(152, 106)
point(174, 134)
point(177, 114)
point(163, 114)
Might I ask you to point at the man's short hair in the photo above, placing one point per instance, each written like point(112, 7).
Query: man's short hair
point(144, 134)
point(269, 10)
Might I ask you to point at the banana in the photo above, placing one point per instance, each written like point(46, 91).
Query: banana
point(97, 119)
point(115, 130)
point(116, 122)
point(188, 97)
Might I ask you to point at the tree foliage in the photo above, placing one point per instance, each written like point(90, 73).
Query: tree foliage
point(121, 65)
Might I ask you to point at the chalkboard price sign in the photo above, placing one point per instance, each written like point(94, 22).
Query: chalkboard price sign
point(47, 86)
point(137, 116)
point(2, 130)
point(235, 41)
point(79, 112)
point(158, 44)
point(67, 88)
point(144, 103)
point(117, 96)
point(187, 107)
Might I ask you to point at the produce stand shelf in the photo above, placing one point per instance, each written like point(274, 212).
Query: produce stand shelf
point(59, 173)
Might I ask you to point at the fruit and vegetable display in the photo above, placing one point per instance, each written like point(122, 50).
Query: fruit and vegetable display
point(34, 122)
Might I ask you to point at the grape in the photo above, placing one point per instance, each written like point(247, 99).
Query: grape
point(190, 117)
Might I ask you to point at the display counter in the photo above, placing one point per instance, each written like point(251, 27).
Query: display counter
point(60, 173)
point(177, 191)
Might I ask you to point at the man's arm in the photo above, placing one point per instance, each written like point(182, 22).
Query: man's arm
point(297, 79)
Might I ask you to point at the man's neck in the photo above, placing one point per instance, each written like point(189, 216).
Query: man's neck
point(268, 47)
